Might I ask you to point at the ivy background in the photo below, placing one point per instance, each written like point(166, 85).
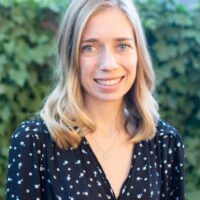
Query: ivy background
point(27, 55)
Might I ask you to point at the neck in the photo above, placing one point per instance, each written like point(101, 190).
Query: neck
point(108, 116)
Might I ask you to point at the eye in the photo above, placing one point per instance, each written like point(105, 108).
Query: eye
point(88, 48)
point(123, 47)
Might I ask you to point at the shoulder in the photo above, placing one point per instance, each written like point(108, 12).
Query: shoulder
point(165, 131)
point(30, 131)
point(30, 127)
point(167, 138)
point(27, 151)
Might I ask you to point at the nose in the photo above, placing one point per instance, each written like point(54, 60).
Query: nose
point(108, 61)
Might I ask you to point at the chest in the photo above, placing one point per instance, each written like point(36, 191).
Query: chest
point(84, 174)
point(117, 166)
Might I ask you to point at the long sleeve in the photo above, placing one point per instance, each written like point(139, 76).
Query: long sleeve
point(177, 182)
point(170, 151)
point(24, 165)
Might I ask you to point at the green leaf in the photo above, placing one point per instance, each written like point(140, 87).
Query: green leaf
point(5, 112)
point(182, 20)
point(162, 73)
point(9, 47)
point(18, 76)
point(165, 51)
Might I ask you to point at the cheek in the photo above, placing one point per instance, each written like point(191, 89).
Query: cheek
point(131, 64)
point(87, 66)
point(87, 71)
point(131, 67)
point(84, 67)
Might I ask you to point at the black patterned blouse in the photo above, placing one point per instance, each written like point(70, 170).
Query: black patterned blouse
point(39, 170)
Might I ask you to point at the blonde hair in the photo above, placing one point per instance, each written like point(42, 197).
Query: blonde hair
point(64, 112)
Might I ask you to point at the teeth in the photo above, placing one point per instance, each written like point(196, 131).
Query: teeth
point(108, 82)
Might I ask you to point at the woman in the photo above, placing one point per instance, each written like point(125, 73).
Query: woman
point(99, 135)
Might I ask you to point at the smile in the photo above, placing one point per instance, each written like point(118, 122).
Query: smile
point(108, 82)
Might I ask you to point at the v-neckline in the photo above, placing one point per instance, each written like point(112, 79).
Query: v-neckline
point(133, 164)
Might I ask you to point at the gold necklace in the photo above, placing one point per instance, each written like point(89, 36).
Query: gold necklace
point(105, 154)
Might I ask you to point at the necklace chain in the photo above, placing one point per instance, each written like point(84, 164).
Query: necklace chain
point(105, 154)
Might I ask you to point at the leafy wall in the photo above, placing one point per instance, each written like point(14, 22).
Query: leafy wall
point(27, 46)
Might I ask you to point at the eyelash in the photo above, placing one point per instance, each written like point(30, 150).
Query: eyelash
point(86, 47)
point(125, 45)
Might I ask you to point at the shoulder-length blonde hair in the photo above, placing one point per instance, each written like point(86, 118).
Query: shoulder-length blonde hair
point(64, 112)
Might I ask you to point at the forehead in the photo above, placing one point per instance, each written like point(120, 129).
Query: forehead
point(108, 22)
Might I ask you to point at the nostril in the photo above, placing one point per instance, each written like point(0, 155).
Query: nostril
point(109, 66)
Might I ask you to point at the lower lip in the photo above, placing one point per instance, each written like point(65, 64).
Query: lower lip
point(110, 88)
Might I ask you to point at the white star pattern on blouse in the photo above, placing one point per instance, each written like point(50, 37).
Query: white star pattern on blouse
point(39, 170)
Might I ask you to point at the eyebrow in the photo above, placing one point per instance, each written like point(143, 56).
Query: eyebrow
point(120, 39)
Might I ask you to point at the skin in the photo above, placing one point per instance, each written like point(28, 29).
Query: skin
point(108, 57)
point(108, 64)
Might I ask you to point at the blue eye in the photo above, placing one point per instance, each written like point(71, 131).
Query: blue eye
point(123, 47)
point(88, 48)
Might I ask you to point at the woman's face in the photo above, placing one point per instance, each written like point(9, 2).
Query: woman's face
point(108, 56)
